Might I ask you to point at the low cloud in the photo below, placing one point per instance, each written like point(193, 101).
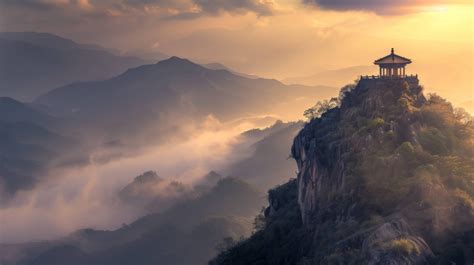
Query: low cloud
point(89, 196)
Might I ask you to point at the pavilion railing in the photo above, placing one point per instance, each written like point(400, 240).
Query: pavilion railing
point(365, 77)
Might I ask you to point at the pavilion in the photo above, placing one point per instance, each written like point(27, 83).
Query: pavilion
point(392, 65)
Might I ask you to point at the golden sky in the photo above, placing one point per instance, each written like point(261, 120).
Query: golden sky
point(278, 39)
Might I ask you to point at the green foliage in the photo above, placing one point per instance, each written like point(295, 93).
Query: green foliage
point(320, 108)
point(324, 105)
point(281, 240)
point(347, 257)
point(375, 123)
point(434, 141)
point(457, 172)
point(345, 90)
point(441, 154)
point(402, 246)
point(372, 221)
point(397, 150)
point(438, 112)
point(407, 151)
point(465, 198)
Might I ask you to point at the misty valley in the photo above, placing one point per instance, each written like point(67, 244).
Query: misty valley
point(99, 171)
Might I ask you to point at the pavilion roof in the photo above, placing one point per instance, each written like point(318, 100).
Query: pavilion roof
point(392, 58)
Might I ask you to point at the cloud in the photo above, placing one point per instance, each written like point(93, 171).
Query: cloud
point(382, 7)
point(74, 198)
point(375, 5)
point(263, 8)
point(164, 8)
point(34, 4)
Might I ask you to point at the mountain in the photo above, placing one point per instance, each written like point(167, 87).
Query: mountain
point(161, 97)
point(269, 162)
point(219, 66)
point(12, 110)
point(34, 63)
point(187, 233)
point(51, 41)
point(29, 144)
point(385, 177)
point(153, 193)
point(334, 78)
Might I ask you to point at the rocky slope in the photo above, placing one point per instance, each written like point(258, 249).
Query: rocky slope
point(387, 177)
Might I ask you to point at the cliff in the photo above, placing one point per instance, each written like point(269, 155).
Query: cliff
point(386, 177)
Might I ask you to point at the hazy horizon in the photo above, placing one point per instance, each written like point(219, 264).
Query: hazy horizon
point(274, 39)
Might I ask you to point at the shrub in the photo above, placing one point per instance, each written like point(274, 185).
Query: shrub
point(320, 108)
point(464, 197)
point(434, 141)
point(403, 246)
point(375, 123)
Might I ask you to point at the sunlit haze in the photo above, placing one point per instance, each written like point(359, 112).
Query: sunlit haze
point(276, 39)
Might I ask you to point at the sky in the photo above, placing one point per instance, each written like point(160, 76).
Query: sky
point(273, 38)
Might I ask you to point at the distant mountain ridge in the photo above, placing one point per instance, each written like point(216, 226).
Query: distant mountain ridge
point(179, 88)
point(51, 41)
point(29, 143)
point(34, 63)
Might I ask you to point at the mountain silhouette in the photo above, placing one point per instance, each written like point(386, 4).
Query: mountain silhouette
point(29, 142)
point(34, 63)
point(159, 95)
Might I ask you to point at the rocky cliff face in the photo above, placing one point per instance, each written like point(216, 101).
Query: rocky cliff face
point(387, 177)
point(325, 147)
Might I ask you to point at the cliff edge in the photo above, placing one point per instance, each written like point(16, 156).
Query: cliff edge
point(385, 176)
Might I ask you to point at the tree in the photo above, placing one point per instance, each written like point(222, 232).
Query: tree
point(320, 107)
point(324, 105)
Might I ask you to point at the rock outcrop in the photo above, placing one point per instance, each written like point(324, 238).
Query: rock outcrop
point(386, 177)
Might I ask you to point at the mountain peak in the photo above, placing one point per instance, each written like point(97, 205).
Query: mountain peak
point(374, 170)
point(176, 63)
point(176, 60)
point(8, 100)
